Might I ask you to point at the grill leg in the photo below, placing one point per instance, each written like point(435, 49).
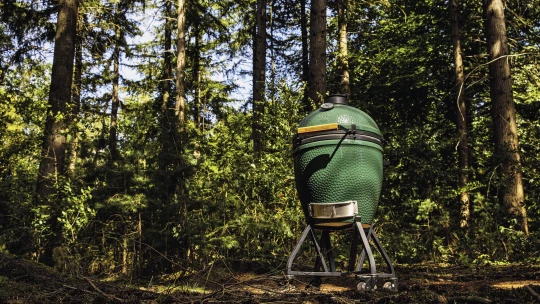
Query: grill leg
point(320, 257)
point(354, 251)
point(363, 253)
point(297, 248)
point(324, 247)
point(366, 249)
point(371, 279)
point(327, 247)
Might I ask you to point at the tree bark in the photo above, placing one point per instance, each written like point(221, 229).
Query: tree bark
point(115, 100)
point(167, 62)
point(165, 106)
point(272, 86)
point(54, 140)
point(76, 100)
point(343, 57)
point(198, 115)
point(317, 58)
point(181, 66)
point(461, 120)
point(259, 75)
point(504, 114)
point(305, 54)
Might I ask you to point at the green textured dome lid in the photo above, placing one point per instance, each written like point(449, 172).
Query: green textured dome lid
point(336, 110)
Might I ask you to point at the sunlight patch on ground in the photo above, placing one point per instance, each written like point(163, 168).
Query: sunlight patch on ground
point(334, 288)
point(264, 289)
point(515, 284)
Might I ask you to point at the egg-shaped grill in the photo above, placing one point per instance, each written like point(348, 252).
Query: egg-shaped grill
point(338, 164)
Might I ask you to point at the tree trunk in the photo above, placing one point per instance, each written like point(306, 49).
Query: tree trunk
point(197, 108)
point(317, 58)
point(180, 107)
point(305, 54)
point(113, 137)
point(343, 57)
point(167, 62)
point(168, 121)
point(54, 139)
point(125, 252)
point(504, 114)
point(259, 74)
point(76, 101)
point(272, 86)
point(461, 120)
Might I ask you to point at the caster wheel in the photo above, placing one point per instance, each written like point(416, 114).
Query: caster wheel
point(362, 286)
point(390, 286)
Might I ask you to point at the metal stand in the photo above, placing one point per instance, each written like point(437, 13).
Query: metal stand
point(368, 280)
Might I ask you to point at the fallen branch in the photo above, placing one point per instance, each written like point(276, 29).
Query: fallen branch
point(108, 296)
point(78, 289)
point(533, 293)
point(469, 299)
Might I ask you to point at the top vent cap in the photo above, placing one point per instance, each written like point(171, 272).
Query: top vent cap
point(341, 99)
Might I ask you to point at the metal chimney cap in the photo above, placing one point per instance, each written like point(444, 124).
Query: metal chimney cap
point(337, 99)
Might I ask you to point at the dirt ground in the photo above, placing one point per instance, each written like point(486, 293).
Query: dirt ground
point(22, 281)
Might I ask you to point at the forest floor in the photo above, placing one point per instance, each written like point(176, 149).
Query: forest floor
point(23, 281)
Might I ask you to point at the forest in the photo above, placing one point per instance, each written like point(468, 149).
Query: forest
point(143, 138)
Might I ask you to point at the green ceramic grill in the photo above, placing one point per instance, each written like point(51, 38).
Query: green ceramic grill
point(338, 167)
point(338, 163)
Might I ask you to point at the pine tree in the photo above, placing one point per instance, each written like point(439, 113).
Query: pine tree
point(180, 106)
point(504, 114)
point(342, 58)
point(317, 52)
point(259, 75)
point(52, 165)
point(461, 118)
point(54, 141)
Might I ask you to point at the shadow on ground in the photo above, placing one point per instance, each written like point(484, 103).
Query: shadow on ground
point(23, 281)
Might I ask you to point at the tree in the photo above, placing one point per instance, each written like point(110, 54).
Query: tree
point(342, 58)
point(165, 104)
point(53, 155)
point(305, 53)
point(181, 65)
point(317, 52)
point(198, 116)
point(76, 99)
point(24, 27)
point(259, 75)
point(54, 140)
point(165, 84)
point(461, 118)
point(115, 98)
point(504, 114)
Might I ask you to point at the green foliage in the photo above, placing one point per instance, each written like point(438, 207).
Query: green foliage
point(76, 215)
point(22, 115)
point(242, 207)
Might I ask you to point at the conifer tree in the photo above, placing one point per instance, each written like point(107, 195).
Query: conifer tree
point(317, 52)
point(503, 114)
point(54, 141)
point(305, 53)
point(181, 65)
point(53, 156)
point(461, 118)
point(259, 74)
point(342, 58)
